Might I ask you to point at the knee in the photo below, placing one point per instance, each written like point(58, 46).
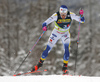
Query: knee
point(66, 46)
point(45, 52)
point(47, 49)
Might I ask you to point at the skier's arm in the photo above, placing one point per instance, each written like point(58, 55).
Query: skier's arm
point(49, 20)
point(77, 18)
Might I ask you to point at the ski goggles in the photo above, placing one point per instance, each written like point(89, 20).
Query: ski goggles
point(63, 14)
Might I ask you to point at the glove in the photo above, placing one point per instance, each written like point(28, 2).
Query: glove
point(81, 12)
point(44, 28)
point(82, 17)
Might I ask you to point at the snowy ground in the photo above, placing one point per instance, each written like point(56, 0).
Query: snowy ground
point(49, 78)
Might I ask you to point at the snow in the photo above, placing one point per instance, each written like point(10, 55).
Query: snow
point(49, 78)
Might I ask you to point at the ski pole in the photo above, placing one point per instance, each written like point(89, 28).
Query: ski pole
point(77, 46)
point(29, 52)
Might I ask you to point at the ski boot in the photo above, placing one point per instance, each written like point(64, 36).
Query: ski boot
point(38, 65)
point(65, 69)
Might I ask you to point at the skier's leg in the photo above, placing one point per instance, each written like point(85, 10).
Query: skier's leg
point(51, 42)
point(65, 59)
point(44, 55)
point(66, 43)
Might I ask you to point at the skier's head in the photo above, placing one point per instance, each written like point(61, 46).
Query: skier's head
point(63, 11)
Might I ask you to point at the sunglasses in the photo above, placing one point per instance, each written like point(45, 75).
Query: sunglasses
point(63, 13)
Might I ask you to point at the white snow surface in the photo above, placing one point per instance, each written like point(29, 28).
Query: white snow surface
point(49, 78)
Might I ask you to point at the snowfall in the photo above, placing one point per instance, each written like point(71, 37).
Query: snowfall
point(49, 78)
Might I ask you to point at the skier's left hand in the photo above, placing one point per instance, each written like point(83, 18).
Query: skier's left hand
point(81, 12)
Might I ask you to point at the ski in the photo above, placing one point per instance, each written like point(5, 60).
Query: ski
point(29, 72)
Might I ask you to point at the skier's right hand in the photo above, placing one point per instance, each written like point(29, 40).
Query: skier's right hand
point(44, 28)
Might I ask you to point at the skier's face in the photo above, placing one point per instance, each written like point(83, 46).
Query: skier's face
point(63, 15)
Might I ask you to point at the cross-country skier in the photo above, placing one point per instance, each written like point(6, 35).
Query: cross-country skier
point(62, 19)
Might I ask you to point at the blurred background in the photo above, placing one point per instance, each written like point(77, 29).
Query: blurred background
point(21, 25)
